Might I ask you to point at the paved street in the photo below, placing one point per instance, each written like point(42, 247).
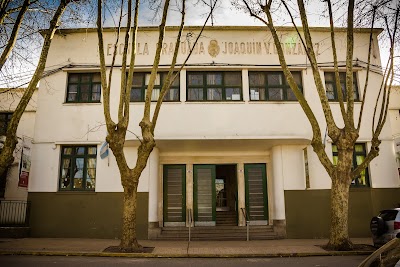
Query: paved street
point(326, 261)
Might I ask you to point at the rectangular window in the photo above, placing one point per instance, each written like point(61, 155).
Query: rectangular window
point(78, 168)
point(272, 86)
point(141, 81)
point(358, 157)
point(214, 86)
point(84, 88)
point(331, 90)
point(4, 121)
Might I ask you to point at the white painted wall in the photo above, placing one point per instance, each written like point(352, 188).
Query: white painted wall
point(8, 102)
point(58, 122)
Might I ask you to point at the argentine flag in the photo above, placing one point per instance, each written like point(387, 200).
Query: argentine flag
point(104, 150)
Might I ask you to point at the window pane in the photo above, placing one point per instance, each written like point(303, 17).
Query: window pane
point(78, 173)
point(297, 77)
point(136, 95)
point(85, 78)
point(232, 93)
point(334, 148)
point(80, 150)
point(85, 92)
point(275, 79)
point(214, 94)
point(65, 173)
point(330, 91)
point(67, 150)
point(257, 94)
point(195, 94)
point(335, 160)
point(157, 80)
point(275, 93)
point(214, 78)
point(72, 92)
point(155, 94)
point(172, 95)
point(91, 173)
point(92, 150)
point(195, 79)
point(359, 148)
point(329, 76)
point(96, 78)
point(73, 78)
point(176, 81)
point(290, 94)
point(233, 79)
point(257, 79)
point(137, 80)
point(96, 92)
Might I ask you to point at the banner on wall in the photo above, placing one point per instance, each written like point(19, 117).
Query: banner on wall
point(25, 166)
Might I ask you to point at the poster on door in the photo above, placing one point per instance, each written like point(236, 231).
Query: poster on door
point(25, 166)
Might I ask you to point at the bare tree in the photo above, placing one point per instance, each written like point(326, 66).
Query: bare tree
point(6, 154)
point(117, 130)
point(342, 174)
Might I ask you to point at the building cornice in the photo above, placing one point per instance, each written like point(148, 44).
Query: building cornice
point(214, 28)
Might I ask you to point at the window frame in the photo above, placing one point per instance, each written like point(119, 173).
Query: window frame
point(205, 86)
point(6, 121)
point(73, 156)
point(285, 86)
point(355, 154)
point(143, 87)
point(79, 83)
point(342, 75)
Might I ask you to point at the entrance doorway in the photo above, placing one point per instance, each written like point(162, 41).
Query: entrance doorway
point(226, 188)
point(215, 192)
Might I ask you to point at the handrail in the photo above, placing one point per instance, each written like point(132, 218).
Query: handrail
point(246, 216)
point(190, 219)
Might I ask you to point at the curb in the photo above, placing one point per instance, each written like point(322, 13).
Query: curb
point(152, 255)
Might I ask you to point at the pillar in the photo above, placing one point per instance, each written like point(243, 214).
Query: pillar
point(241, 194)
point(278, 216)
point(153, 165)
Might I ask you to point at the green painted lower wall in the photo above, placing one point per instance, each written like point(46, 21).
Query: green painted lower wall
point(84, 215)
point(308, 214)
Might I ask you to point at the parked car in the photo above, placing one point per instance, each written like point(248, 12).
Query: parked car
point(388, 255)
point(385, 226)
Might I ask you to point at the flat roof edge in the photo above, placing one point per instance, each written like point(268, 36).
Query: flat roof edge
point(215, 28)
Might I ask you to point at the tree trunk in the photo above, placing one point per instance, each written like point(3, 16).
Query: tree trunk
point(339, 235)
point(128, 237)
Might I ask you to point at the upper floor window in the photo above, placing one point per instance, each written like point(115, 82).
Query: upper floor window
point(141, 81)
point(83, 87)
point(272, 86)
point(4, 121)
point(359, 155)
point(331, 90)
point(78, 168)
point(214, 86)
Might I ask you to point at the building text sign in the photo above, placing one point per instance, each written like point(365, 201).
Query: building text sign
point(216, 48)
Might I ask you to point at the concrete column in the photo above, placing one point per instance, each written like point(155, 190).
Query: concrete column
point(278, 190)
point(182, 82)
point(241, 194)
point(189, 192)
point(245, 85)
point(153, 166)
point(278, 216)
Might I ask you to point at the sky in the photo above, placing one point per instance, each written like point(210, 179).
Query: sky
point(224, 14)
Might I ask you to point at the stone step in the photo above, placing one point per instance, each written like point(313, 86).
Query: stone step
point(256, 232)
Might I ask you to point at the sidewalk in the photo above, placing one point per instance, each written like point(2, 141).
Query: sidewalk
point(175, 249)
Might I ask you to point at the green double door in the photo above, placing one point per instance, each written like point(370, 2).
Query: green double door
point(256, 191)
point(204, 193)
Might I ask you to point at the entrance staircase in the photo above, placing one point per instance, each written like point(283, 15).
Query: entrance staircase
point(257, 232)
point(226, 218)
